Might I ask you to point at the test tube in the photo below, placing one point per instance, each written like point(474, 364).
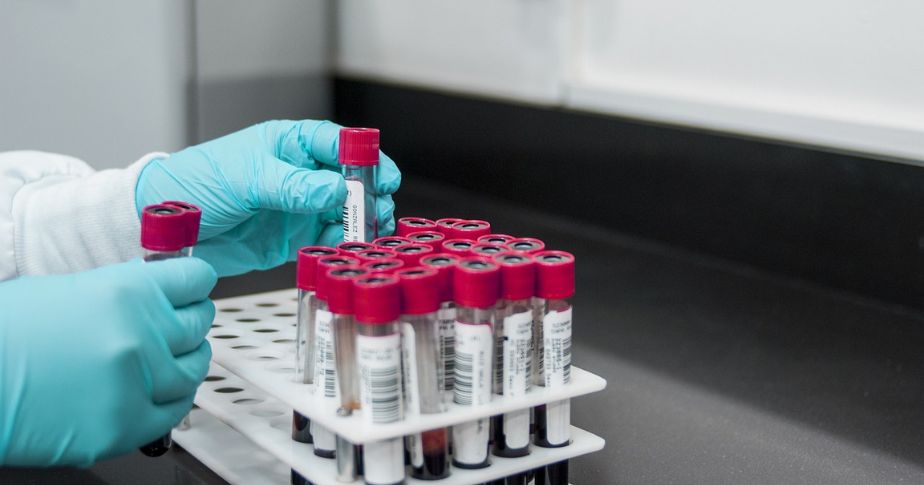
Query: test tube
point(529, 245)
point(168, 230)
point(384, 265)
point(487, 250)
point(459, 247)
point(407, 225)
point(555, 285)
point(358, 154)
point(377, 301)
point(475, 289)
point(411, 253)
point(469, 229)
point(500, 239)
point(353, 247)
point(514, 334)
point(389, 242)
point(445, 264)
point(445, 224)
point(434, 239)
point(422, 359)
point(325, 371)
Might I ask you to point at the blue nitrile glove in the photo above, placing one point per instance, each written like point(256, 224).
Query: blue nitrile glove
point(265, 191)
point(96, 364)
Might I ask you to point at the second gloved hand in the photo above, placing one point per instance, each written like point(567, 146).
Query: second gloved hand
point(98, 363)
point(265, 191)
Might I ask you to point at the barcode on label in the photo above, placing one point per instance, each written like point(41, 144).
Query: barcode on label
point(354, 212)
point(473, 348)
point(557, 352)
point(383, 394)
point(380, 374)
point(325, 368)
point(447, 347)
point(517, 354)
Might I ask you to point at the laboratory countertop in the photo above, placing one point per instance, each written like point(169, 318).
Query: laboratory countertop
point(717, 373)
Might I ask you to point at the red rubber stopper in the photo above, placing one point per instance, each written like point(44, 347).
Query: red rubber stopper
point(469, 229)
point(340, 288)
point(444, 264)
point(407, 225)
point(193, 220)
point(487, 250)
point(518, 275)
point(529, 245)
point(420, 290)
point(476, 282)
point(163, 228)
point(377, 299)
point(389, 242)
point(496, 239)
point(374, 254)
point(325, 264)
point(554, 274)
point(460, 247)
point(354, 247)
point(411, 253)
point(444, 225)
point(306, 266)
point(387, 265)
point(434, 239)
point(358, 147)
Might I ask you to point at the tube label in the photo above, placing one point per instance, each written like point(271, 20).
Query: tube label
point(470, 442)
point(411, 391)
point(354, 212)
point(383, 461)
point(558, 422)
point(447, 318)
point(473, 348)
point(380, 377)
point(323, 438)
point(325, 368)
point(517, 348)
point(556, 340)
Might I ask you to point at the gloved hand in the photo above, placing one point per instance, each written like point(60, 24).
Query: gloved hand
point(96, 364)
point(264, 191)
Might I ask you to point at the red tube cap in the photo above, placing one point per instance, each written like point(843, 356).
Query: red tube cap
point(340, 288)
point(518, 275)
point(306, 266)
point(387, 265)
point(476, 282)
point(469, 229)
point(377, 299)
point(487, 250)
point(374, 254)
point(496, 239)
point(444, 225)
point(193, 219)
point(420, 290)
point(434, 239)
point(407, 225)
point(325, 264)
point(554, 274)
point(529, 245)
point(444, 264)
point(389, 242)
point(163, 228)
point(460, 247)
point(411, 253)
point(358, 147)
point(354, 247)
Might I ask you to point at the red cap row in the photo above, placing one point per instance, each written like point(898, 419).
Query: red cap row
point(170, 226)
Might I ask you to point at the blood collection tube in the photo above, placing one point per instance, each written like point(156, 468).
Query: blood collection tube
point(411, 253)
point(358, 153)
point(354, 247)
point(444, 225)
point(374, 254)
point(514, 334)
point(529, 245)
point(377, 301)
point(444, 264)
point(495, 239)
point(434, 239)
point(384, 265)
point(470, 229)
point(168, 231)
point(459, 247)
point(555, 286)
point(422, 361)
point(487, 250)
point(325, 370)
point(407, 225)
point(389, 242)
point(475, 290)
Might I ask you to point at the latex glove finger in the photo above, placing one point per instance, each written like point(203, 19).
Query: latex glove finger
point(385, 206)
point(180, 377)
point(192, 324)
point(182, 280)
point(306, 143)
point(331, 235)
point(157, 421)
point(388, 177)
point(283, 187)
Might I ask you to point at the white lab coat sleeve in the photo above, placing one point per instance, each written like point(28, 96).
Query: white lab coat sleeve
point(59, 216)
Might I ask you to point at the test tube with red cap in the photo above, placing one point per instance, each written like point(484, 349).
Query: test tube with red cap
point(377, 305)
point(445, 224)
point(487, 250)
point(374, 254)
point(459, 247)
point(475, 286)
point(408, 225)
point(469, 229)
point(168, 231)
point(424, 383)
point(358, 154)
point(434, 239)
point(445, 264)
point(389, 242)
point(384, 265)
point(555, 286)
point(411, 253)
point(528, 245)
point(325, 364)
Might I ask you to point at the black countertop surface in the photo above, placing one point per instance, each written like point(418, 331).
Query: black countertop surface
point(717, 373)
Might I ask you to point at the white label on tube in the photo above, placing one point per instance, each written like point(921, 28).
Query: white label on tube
point(516, 429)
point(537, 304)
point(380, 376)
point(473, 346)
point(447, 319)
point(383, 461)
point(556, 340)
point(354, 212)
point(558, 422)
point(411, 392)
point(323, 438)
point(517, 348)
point(325, 378)
point(470, 442)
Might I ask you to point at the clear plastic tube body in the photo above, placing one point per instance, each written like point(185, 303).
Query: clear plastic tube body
point(344, 327)
point(304, 357)
point(514, 333)
point(424, 393)
point(447, 320)
point(474, 348)
point(360, 220)
point(553, 420)
point(325, 377)
point(538, 305)
point(378, 354)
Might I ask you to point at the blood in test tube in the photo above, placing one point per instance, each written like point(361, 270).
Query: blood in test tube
point(514, 333)
point(325, 367)
point(476, 284)
point(411, 253)
point(500, 239)
point(487, 250)
point(358, 154)
point(374, 254)
point(469, 229)
point(434, 239)
point(377, 305)
point(354, 247)
point(459, 247)
point(444, 264)
point(385, 265)
point(529, 245)
point(422, 361)
point(168, 231)
point(389, 242)
point(555, 286)
point(408, 225)
point(445, 224)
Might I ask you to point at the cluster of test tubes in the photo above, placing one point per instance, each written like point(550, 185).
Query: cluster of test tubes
point(443, 312)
